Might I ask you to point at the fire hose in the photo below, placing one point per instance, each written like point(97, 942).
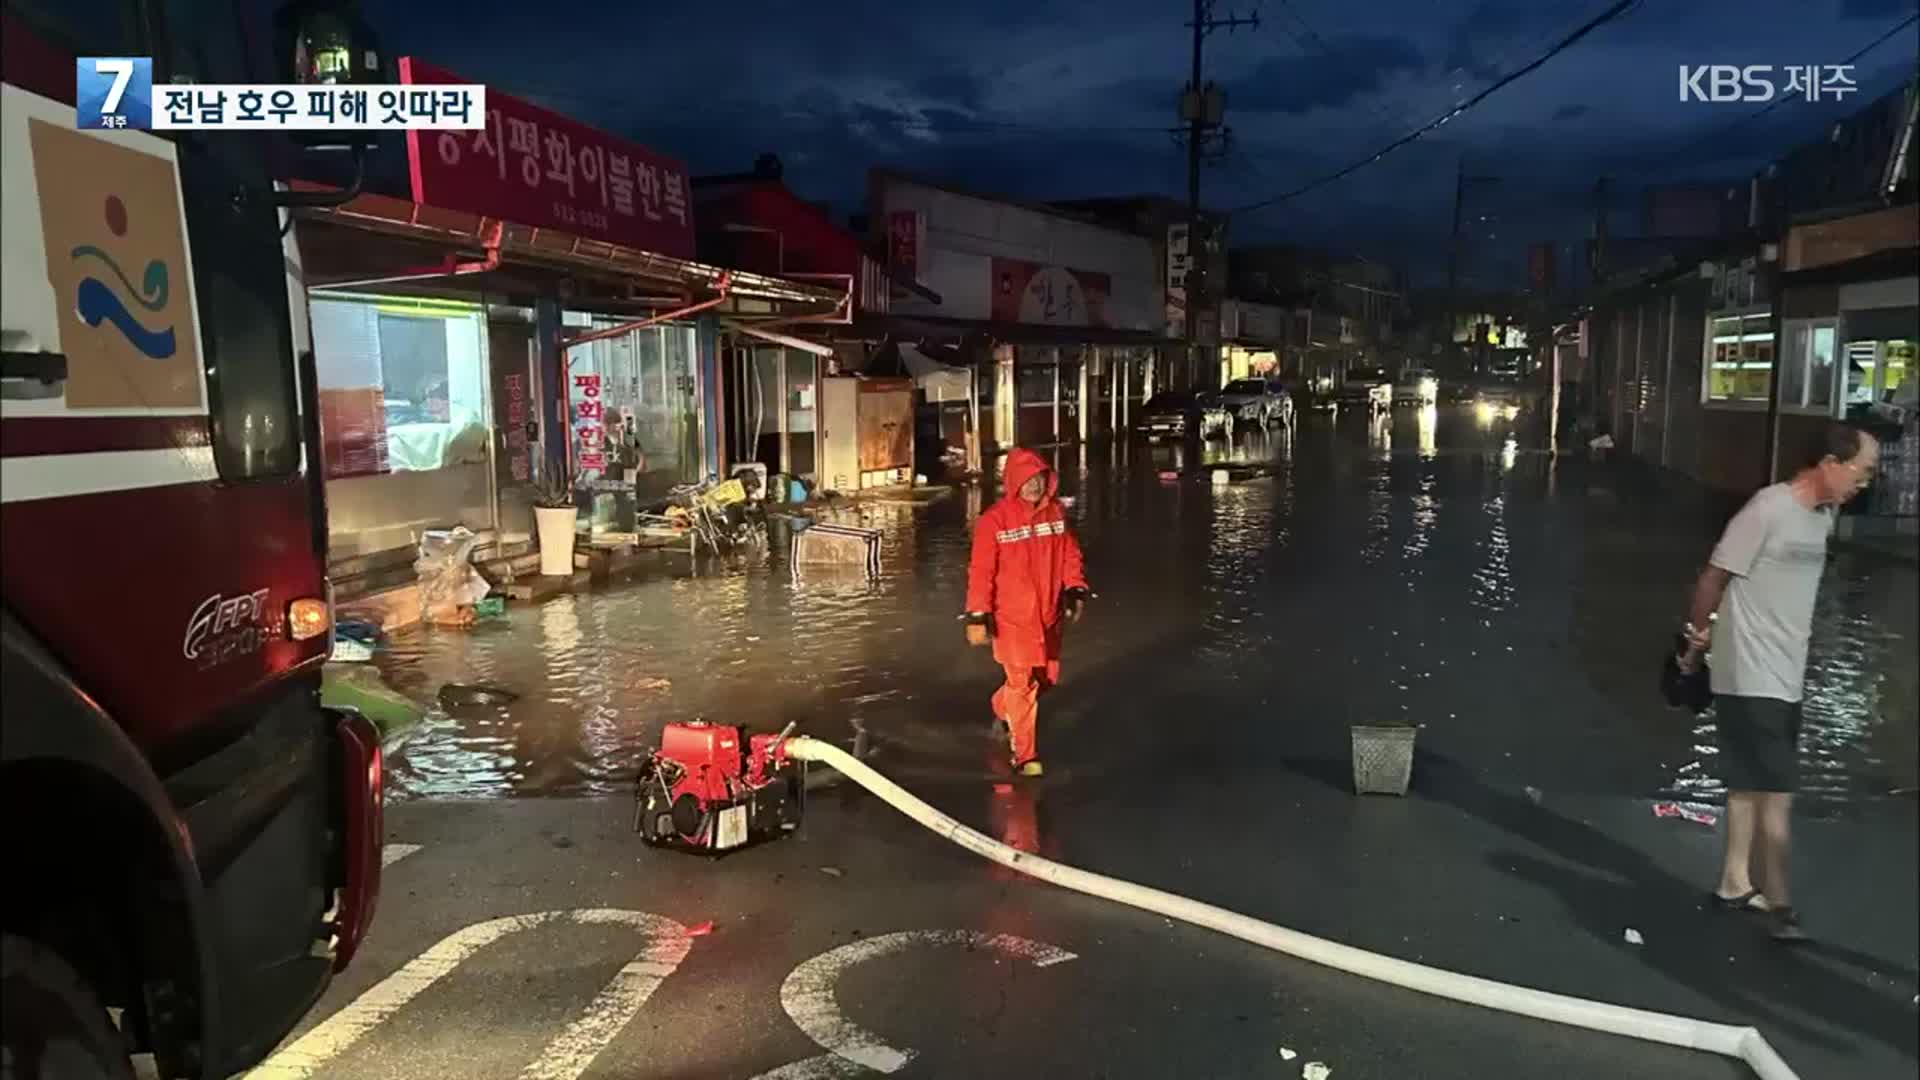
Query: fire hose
point(1743, 1043)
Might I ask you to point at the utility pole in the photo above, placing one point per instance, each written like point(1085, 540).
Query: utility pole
point(1460, 182)
point(1203, 109)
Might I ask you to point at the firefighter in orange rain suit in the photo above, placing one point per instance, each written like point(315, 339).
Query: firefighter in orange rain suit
point(1024, 582)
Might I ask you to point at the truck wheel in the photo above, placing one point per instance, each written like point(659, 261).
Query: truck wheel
point(52, 1026)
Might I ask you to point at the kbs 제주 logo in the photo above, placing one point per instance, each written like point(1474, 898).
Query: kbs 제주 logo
point(225, 627)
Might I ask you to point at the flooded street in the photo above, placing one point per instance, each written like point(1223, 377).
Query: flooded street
point(1423, 567)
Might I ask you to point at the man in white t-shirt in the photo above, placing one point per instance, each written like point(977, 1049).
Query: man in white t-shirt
point(1754, 604)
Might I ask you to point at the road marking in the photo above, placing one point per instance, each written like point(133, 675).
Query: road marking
point(569, 1054)
point(807, 994)
point(615, 1005)
point(393, 853)
point(823, 1067)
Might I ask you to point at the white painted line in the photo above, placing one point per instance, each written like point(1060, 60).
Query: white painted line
point(393, 853)
point(51, 476)
point(307, 1054)
point(569, 1054)
point(807, 994)
point(823, 1067)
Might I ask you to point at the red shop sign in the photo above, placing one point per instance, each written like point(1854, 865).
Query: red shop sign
point(535, 167)
point(589, 422)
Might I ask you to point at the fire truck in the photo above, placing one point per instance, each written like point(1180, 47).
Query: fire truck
point(192, 841)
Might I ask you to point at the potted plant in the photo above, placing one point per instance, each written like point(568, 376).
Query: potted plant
point(1383, 757)
point(554, 518)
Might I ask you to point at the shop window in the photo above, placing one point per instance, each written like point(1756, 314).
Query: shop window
point(645, 385)
point(1739, 358)
point(1035, 378)
point(402, 385)
point(1806, 364)
point(1877, 372)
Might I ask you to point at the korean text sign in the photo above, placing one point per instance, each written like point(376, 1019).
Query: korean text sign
point(118, 92)
point(589, 422)
point(534, 167)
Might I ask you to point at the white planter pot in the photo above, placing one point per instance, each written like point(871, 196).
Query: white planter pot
point(555, 526)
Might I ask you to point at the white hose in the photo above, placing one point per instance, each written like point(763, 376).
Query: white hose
point(1744, 1043)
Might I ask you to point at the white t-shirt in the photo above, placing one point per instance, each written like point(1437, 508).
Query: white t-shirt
point(1776, 550)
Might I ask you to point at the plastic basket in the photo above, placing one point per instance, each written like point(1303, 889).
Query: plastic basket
point(1382, 759)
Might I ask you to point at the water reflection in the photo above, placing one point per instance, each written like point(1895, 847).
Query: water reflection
point(1349, 568)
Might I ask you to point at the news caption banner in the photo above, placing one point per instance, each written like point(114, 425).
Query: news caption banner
point(117, 93)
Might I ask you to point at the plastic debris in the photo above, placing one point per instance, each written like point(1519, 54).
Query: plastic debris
point(833, 871)
point(1315, 1070)
point(1287, 1055)
point(1535, 794)
point(449, 585)
point(1681, 810)
point(700, 929)
point(349, 650)
point(1634, 938)
point(654, 683)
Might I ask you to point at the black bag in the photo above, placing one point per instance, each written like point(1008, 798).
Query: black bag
point(1691, 690)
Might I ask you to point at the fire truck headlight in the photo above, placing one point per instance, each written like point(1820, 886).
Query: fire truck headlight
point(308, 618)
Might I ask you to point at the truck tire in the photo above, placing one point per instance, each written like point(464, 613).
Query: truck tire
point(52, 1026)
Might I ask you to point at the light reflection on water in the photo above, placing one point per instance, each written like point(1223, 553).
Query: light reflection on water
point(1350, 567)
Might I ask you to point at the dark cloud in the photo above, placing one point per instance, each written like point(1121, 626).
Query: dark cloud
point(1347, 68)
point(954, 86)
point(1874, 9)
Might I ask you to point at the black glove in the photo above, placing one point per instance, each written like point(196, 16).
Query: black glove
point(1072, 602)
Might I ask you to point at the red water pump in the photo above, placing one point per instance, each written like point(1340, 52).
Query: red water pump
point(705, 790)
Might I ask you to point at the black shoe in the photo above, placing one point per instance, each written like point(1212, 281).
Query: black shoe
point(1786, 925)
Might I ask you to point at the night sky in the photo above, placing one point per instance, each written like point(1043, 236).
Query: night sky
point(1071, 98)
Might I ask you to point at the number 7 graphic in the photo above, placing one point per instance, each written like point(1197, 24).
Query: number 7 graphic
point(122, 72)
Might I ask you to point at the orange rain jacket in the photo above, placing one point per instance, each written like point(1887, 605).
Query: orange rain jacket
point(1024, 557)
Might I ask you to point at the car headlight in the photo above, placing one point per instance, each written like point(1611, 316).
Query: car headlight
point(1429, 387)
point(1483, 409)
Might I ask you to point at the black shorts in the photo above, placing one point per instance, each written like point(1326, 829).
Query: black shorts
point(1759, 743)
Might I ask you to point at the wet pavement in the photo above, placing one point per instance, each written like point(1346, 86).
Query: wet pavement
point(1425, 569)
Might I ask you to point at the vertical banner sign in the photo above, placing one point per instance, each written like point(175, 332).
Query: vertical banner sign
point(519, 463)
point(534, 167)
point(589, 418)
point(1179, 260)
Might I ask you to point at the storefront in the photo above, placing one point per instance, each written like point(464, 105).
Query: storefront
point(1066, 317)
point(530, 317)
point(1253, 340)
point(406, 417)
point(1849, 352)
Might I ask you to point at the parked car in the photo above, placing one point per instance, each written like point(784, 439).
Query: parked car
point(1416, 386)
point(1256, 401)
point(1178, 414)
point(1365, 388)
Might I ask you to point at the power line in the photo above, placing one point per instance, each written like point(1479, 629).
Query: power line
point(1618, 9)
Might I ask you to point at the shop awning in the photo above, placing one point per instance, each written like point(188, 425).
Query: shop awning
point(941, 381)
point(431, 244)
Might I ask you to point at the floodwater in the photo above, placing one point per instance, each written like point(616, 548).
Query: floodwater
point(1424, 567)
